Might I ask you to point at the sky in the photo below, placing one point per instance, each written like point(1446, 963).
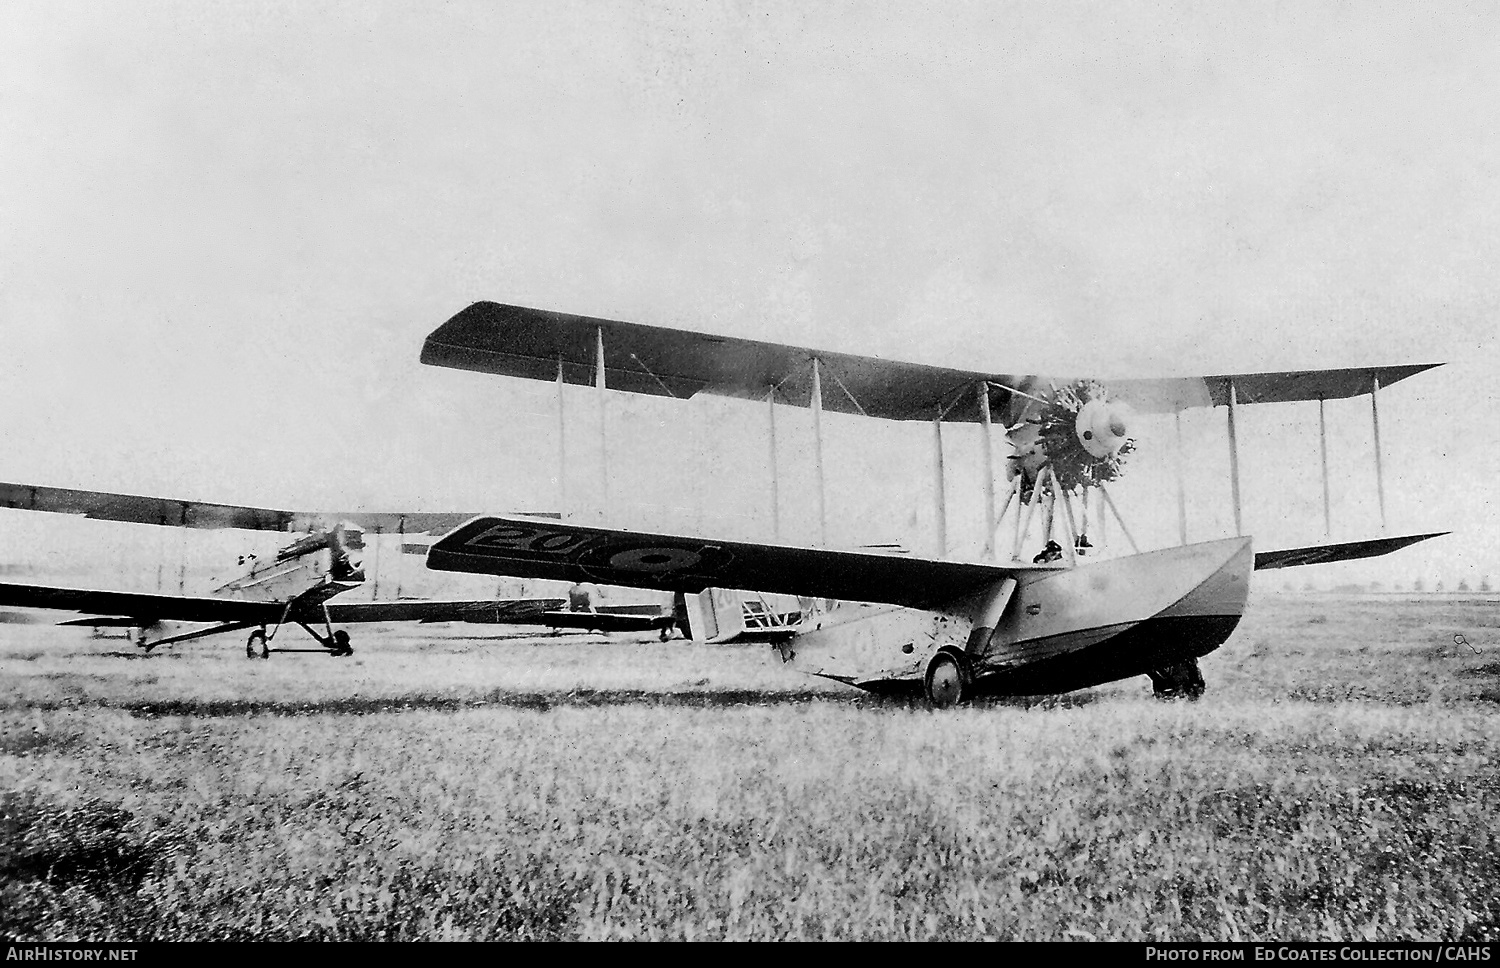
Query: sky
point(226, 229)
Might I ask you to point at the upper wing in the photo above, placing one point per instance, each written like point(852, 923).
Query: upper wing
point(143, 606)
point(142, 509)
point(1322, 554)
point(529, 548)
point(533, 343)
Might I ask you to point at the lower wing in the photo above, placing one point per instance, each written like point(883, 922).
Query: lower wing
point(1347, 551)
point(532, 548)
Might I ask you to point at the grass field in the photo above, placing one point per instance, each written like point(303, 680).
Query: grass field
point(1340, 780)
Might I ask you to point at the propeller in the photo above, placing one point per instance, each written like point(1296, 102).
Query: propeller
point(347, 542)
point(1077, 431)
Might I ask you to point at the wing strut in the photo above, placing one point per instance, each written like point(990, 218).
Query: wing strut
point(197, 634)
point(1375, 424)
point(1023, 518)
point(1012, 493)
point(939, 493)
point(603, 423)
point(817, 419)
point(400, 537)
point(987, 457)
point(375, 567)
point(1071, 548)
point(1323, 453)
point(1109, 502)
point(1181, 492)
point(1234, 463)
point(775, 482)
point(562, 445)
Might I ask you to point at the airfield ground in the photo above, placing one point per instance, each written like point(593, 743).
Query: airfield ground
point(1340, 780)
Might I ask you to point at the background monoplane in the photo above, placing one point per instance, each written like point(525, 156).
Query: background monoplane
point(295, 585)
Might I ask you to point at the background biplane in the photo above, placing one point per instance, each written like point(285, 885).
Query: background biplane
point(295, 585)
point(1005, 622)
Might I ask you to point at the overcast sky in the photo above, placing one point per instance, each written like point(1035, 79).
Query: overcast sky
point(225, 230)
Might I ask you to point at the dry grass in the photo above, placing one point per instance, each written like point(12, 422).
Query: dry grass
point(1339, 781)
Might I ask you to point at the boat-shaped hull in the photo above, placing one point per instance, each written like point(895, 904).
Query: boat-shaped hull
point(1116, 619)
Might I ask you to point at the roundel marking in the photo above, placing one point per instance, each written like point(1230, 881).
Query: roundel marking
point(654, 560)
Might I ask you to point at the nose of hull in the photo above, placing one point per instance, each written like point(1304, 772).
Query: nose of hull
point(1121, 618)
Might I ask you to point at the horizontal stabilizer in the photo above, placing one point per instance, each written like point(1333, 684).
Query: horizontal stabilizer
point(1347, 551)
point(533, 343)
point(607, 621)
point(529, 548)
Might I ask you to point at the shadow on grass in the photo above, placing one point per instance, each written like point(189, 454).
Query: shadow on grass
point(1489, 671)
point(574, 699)
point(24, 742)
point(538, 701)
point(90, 852)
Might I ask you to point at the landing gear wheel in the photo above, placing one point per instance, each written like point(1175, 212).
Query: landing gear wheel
point(1181, 680)
point(947, 680)
point(256, 647)
point(341, 646)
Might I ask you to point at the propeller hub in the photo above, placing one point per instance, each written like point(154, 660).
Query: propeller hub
point(1101, 428)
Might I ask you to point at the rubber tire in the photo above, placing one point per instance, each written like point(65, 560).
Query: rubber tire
point(264, 652)
point(947, 681)
point(1181, 680)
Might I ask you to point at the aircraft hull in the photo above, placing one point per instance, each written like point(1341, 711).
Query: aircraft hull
point(1060, 630)
point(1117, 619)
point(1126, 652)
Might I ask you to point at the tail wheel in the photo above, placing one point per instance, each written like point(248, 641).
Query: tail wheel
point(341, 646)
point(947, 680)
point(256, 647)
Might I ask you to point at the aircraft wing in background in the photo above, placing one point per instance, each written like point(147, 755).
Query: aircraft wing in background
point(140, 609)
point(144, 608)
point(549, 612)
point(170, 512)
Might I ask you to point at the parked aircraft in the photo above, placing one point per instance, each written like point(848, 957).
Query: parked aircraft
point(1004, 623)
point(295, 586)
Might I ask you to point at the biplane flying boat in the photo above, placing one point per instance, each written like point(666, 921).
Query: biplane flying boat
point(1004, 622)
point(294, 586)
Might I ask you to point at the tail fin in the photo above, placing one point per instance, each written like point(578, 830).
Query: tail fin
point(713, 615)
